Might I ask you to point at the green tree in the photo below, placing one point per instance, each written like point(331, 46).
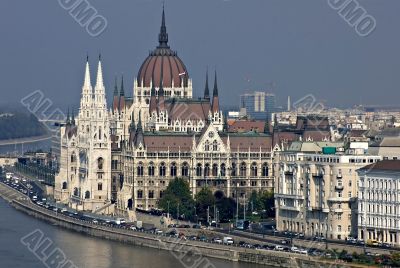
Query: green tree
point(176, 197)
point(204, 199)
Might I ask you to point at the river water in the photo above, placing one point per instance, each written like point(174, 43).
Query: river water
point(84, 251)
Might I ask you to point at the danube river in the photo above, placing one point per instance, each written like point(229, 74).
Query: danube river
point(84, 251)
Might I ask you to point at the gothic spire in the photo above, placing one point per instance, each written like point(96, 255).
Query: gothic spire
point(163, 36)
point(122, 92)
point(68, 121)
point(99, 80)
point(153, 100)
point(116, 93)
point(73, 118)
point(215, 90)
point(206, 90)
point(86, 83)
point(161, 105)
point(215, 102)
point(132, 125)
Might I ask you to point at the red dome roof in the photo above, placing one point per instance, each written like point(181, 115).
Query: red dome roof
point(163, 62)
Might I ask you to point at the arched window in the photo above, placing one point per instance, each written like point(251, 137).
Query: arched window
point(207, 170)
point(215, 145)
point(215, 170)
point(100, 162)
point(73, 158)
point(254, 169)
point(265, 170)
point(185, 169)
point(223, 170)
point(207, 146)
point(100, 186)
point(162, 169)
point(64, 185)
point(151, 169)
point(234, 170)
point(140, 194)
point(87, 195)
point(199, 170)
point(173, 170)
point(243, 169)
point(76, 192)
point(139, 169)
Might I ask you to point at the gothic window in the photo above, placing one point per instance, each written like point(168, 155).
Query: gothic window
point(215, 145)
point(151, 169)
point(234, 170)
point(139, 169)
point(151, 193)
point(243, 169)
point(207, 170)
point(162, 169)
point(161, 194)
point(73, 158)
point(100, 186)
point(185, 170)
point(87, 195)
point(254, 169)
point(173, 170)
point(199, 170)
point(223, 170)
point(215, 170)
point(76, 192)
point(139, 194)
point(99, 133)
point(207, 146)
point(64, 185)
point(100, 162)
point(265, 170)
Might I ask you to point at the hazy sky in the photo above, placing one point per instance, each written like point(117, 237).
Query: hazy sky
point(303, 47)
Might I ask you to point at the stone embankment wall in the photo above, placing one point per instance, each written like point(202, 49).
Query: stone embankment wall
point(177, 247)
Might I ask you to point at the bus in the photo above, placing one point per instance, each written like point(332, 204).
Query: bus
point(242, 224)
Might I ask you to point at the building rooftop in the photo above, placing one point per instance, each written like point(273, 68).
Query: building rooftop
point(385, 165)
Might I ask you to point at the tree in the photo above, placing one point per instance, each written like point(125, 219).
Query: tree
point(176, 197)
point(262, 201)
point(204, 200)
point(226, 207)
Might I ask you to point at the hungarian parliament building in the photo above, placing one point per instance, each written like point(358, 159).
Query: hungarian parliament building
point(125, 154)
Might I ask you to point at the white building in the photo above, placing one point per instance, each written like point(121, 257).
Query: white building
point(379, 202)
point(316, 190)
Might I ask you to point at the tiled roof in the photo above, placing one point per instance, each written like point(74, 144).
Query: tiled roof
point(385, 165)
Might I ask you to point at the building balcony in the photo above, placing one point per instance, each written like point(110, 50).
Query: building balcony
point(289, 196)
point(339, 187)
point(290, 208)
point(338, 199)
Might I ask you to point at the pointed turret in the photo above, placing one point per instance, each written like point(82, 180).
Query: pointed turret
point(206, 89)
point(163, 35)
point(139, 138)
point(115, 96)
point(215, 103)
point(153, 99)
point(87, 90)
point(132, 129)
point(73, 118)
point(99, 91)
point(68, 121)
point(122, 96)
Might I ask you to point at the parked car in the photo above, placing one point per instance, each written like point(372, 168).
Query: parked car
point(279, 248)
point(217, 240)
point(228, 240)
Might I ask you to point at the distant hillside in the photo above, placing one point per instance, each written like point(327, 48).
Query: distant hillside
point(14, 125)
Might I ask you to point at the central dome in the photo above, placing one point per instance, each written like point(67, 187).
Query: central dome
point(163, 63)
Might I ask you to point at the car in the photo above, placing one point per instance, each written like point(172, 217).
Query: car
point(158, 231)
point(63, 210)
point(95, 221)
point(55, 209)
point(34, 197)
point(192, 237)
point(285, 241)
point(241, 243)
point(196, 226)
point(203, 239)
point(303, 251)
point(279, 248)
point(228, 240)
point(301, 235)
point(133, 228)
point(294, 249)
point(386, 245)
point(217, 240)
